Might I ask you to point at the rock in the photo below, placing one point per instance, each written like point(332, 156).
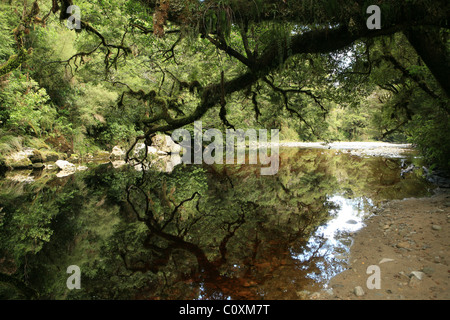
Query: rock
point(65, 173)
point(358, 291)
point(385, 260)
point(65, 165)
point(51, 156)
point(165, 143)
point(417, 274)
point(38, 165)
point(436, 227)
point(117, 153)
point(428, 270)
point(18, 160)
point(152, 150)
point(403, 244)
point(352, 221)
point(36, 157)
point(118, 163)
point(101, 155)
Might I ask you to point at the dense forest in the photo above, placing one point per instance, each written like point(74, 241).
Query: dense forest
point(312, 69)
point(79, 81)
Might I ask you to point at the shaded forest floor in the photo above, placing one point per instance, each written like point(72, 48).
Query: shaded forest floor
point(409, 240)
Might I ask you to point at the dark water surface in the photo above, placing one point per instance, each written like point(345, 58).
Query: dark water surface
point(200, 232)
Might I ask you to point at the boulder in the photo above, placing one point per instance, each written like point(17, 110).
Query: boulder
point(65, 165)
point(165, 143)
point(18, 160)
point(51, 156)
point(36, 157)
point(117, 153)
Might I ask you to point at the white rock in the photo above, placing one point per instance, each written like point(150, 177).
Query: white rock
point(418, 274)
point(117, 153)
point(152, 150)
point(65, 165)
point(385, 260)
point(65, 173)
point(118, 163)
point(358, 291)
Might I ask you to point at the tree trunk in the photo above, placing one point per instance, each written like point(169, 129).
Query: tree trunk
point(433, 51)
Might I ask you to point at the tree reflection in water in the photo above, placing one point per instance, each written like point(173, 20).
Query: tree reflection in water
point(208, 232)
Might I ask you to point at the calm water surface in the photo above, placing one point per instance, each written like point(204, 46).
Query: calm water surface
point(200, 232)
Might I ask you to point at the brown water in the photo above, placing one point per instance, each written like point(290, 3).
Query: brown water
point(200, 232)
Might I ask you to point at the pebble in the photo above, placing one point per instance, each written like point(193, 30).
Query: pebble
point(385, 260)
point(436, 227)
point(358, 291)
point(403, 244)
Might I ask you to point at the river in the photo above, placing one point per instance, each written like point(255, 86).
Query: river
point(199, 232)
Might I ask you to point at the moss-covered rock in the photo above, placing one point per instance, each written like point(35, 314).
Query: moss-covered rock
point(36, 157)
point(50, 156)
point(18, 160)
point(101, 155)
point(74, 157)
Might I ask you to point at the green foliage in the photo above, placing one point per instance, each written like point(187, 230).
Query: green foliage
point(430, 134)
point(27, 108)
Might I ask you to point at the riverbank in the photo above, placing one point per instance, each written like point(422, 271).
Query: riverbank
point(408, 240)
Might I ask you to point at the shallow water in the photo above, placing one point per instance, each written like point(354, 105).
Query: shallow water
point(200, 232)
